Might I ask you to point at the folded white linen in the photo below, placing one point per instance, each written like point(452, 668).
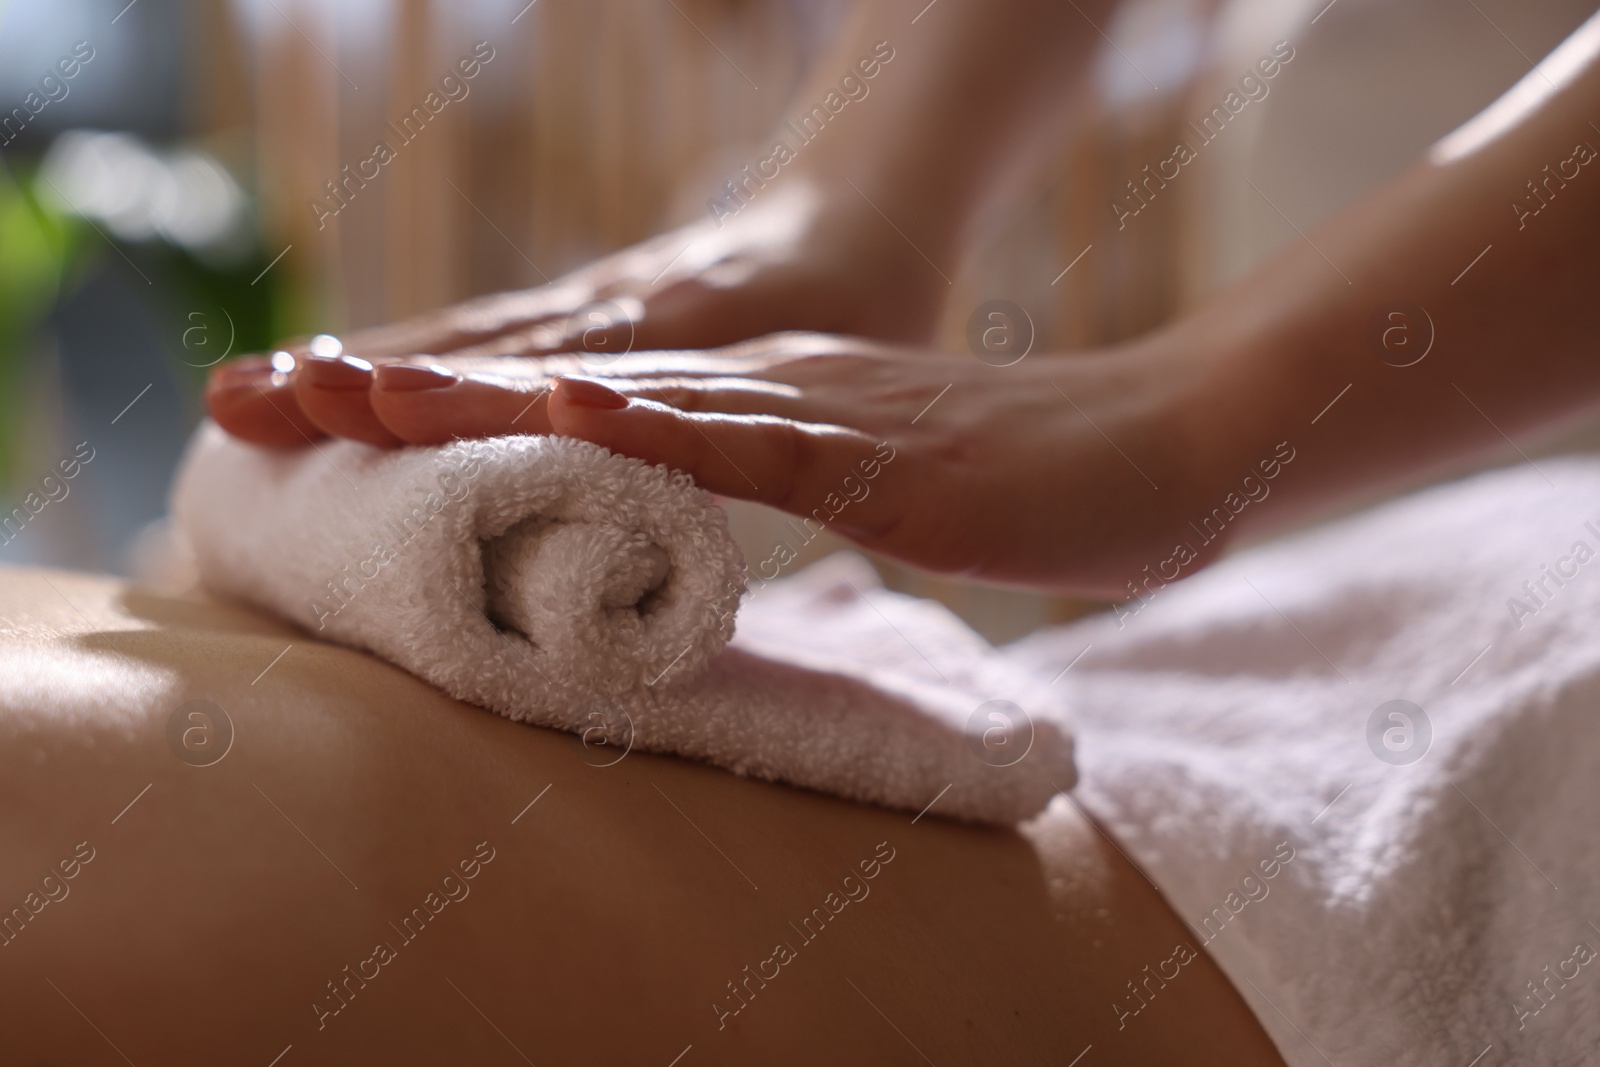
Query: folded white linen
point(1384, 882)
point(557, 583)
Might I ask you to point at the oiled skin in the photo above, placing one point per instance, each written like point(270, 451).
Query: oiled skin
point(605, 929)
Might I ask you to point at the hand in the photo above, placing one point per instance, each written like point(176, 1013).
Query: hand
point(797, 258)
point(1046, 472)
point(1069, 473)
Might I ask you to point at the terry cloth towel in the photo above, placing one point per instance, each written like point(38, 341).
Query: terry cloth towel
point(1364, 766)
point(557, 583)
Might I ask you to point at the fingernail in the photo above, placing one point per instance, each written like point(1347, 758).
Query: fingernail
point(588, 393)
point(344, 373)
point(414, 378)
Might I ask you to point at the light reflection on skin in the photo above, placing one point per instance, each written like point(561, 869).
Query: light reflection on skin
point(1540, 84)
point(326, 345)
point(669, 369)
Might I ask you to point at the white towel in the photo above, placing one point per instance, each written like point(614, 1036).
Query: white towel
point(560, 584)
point(1243, 718)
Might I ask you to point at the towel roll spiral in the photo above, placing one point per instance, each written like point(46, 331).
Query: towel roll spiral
point(519, 572)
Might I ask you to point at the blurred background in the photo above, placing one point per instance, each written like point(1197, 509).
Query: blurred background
point(156, 203)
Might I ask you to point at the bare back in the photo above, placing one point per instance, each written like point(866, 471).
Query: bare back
point(224, 840)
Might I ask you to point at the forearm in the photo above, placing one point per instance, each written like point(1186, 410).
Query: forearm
point(1513, 332)
point(973, 85)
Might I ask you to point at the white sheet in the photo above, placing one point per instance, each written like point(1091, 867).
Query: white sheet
point(1425, 911)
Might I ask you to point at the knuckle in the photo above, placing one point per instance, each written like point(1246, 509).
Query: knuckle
point(681, 397)
point(792, 453)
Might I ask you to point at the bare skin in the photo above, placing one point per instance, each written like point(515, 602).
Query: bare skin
point(1073, 472)
point(857, 235)
point(607, 927)
point(219, 901)
point(1064, 472)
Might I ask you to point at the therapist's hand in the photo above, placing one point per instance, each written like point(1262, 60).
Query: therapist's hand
point(800, 257)
point(859, 235)
point(1070, 473)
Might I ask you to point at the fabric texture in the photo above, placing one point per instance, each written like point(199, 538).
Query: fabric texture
point(1363, 766)
point(559, 584)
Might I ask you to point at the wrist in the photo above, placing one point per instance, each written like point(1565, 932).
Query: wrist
point(1236, 415)
point(1208, 459)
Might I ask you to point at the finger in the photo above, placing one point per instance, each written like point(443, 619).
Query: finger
point(526, 322)
point(726, 395)
point(601, 331)
point(254, 400)
point(428, 405)
point(572, 319)
point(702, 311)
point(542, 337)
point(691, 313)
point(695, 306)
point(802, 468)
point(438, 403)
point(333, 394)
point(753, 359)
point(602, 326)
point(482, 321)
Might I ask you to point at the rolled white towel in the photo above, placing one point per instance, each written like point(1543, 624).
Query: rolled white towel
point(558, 583)
point(519, 573)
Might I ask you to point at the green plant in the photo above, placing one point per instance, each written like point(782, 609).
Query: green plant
point(42, 252)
